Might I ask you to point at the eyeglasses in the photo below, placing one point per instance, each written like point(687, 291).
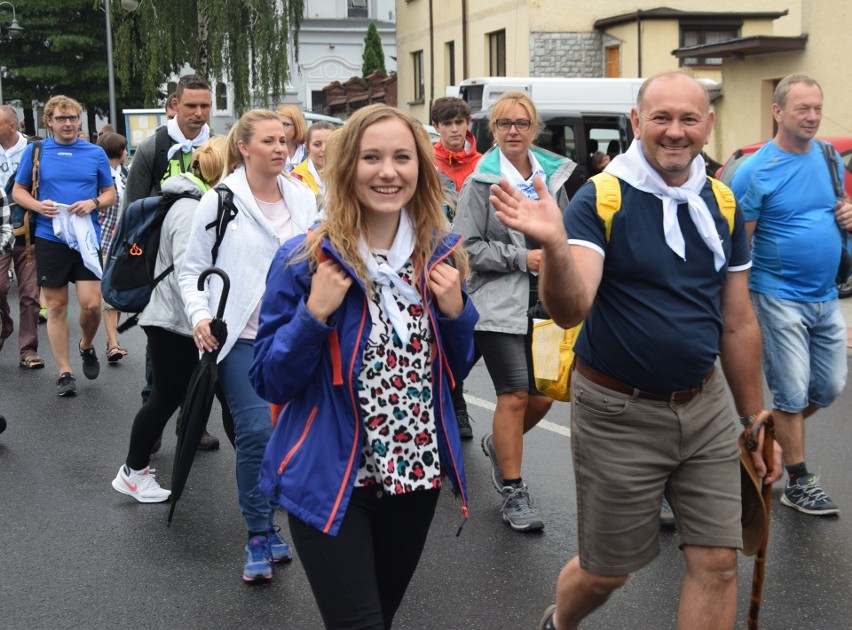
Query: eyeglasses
point(65, 119)
point(521, 124)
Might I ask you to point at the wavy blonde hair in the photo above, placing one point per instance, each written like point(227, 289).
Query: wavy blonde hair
point(344, 223)
point(210, 161)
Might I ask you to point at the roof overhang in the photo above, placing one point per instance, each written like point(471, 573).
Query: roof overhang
point(664, 13)
point(743, 46)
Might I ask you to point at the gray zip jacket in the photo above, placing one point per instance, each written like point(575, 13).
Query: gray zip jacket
point(499, 282)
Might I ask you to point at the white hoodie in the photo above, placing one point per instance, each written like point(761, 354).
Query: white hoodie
point(9, 159)
point(245, 254)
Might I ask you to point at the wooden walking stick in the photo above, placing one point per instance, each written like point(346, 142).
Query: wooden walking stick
point(748, 443)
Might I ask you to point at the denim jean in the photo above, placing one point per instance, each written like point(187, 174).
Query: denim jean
point(804, 350)
point(252, 428)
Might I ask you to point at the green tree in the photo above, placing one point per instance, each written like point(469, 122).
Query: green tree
point(244, 41)
point(374, 54)
point(62, 51)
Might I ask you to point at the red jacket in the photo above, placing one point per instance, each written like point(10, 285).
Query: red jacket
point(457, 166)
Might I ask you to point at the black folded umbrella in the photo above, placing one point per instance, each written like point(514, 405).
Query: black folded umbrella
point(199, 396)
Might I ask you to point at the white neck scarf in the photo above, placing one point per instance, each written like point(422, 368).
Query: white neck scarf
point(315, 173)
point(633, 168)
point(508, 170)
point(181, 143)
point(385, 276)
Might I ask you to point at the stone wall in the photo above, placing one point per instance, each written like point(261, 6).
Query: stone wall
point(566, 55)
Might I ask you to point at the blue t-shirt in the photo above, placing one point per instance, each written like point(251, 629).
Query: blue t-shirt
point(67, 173)
point(656, 322)
point(796, 242)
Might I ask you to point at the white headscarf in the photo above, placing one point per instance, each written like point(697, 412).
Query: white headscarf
point(386, 277)
point(181, 143)
point(633, 168)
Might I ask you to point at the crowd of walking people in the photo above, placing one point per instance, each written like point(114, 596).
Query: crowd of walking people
point(369, 270)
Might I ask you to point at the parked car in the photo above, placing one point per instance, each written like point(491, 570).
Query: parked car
point(311, 118)
point(843, 144)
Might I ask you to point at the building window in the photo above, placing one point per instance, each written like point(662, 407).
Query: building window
point(450, 62)
point(697, 35)
point(613, 61)
point(497, 53)
point(417, 73)
point(221, 96)
point(356, 8)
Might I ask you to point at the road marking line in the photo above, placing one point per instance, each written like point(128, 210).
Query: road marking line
point(544, 424)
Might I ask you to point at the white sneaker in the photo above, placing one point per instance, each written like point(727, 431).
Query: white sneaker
point(141, 485)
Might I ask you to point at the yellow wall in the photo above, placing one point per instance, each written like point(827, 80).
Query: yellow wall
point(521, 17)
point(744, 110)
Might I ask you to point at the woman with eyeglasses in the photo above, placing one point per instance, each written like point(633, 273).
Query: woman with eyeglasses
point(503, 285)
point(296, 132)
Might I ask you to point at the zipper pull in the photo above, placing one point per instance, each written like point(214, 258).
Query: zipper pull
point(465, 515)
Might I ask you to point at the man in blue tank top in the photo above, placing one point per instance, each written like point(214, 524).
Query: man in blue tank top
point(792, 215)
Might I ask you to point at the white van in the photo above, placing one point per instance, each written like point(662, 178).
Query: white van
point(550, 93)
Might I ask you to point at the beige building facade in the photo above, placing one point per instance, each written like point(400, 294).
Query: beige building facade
point(442, 42)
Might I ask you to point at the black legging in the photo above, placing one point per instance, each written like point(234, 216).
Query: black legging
point(359, 577)
point(173, 360)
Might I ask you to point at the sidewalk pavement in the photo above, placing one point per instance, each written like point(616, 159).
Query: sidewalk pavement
point(846, 308)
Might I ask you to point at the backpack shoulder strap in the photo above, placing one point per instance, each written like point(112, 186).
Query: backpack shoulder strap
point(607, 198)
point(225, 213)
point(162, 142)
point(831, 162)
point(726, 200)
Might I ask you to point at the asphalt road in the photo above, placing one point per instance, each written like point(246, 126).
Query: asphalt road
point(76, 554)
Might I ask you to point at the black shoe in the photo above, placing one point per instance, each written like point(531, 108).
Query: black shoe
point(208, 442)
point(91, 365)
point(2, 424)
point(465, 430)
point(66, 385)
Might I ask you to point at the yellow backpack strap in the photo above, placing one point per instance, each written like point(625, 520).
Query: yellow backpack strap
point(607, 198)
point(726, 200)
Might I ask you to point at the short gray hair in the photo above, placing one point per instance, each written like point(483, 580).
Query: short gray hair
point(779, 98)
point(665, 75)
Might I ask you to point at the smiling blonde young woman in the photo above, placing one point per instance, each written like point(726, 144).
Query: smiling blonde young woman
point(363, 332)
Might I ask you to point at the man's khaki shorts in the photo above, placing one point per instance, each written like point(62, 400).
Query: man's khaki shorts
point(627, 451)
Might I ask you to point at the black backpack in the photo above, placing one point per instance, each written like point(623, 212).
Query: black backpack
point(128, 276)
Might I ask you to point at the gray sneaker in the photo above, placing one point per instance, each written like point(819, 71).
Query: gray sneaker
point(806, 495)
point(546, 622)
point(667, 519)
point(490, 453)
point(66, 385)
point(517, 510)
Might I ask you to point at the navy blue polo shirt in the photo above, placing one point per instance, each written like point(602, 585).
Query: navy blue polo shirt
point(656, 321)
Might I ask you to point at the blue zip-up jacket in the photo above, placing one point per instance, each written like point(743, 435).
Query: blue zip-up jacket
point(312, 458)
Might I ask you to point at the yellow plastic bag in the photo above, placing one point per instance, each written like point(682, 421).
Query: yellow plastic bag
point(553, 357)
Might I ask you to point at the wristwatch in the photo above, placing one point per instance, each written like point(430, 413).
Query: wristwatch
point(747, 421)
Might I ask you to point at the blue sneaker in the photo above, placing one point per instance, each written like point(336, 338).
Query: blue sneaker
point(280, 549)
point(258, 560)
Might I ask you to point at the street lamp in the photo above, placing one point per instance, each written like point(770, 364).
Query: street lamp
point(13, 31)
point(127, 5)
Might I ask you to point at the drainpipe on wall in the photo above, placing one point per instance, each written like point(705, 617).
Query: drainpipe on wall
point(639, 41)
point(431, 62)
point(464, 39)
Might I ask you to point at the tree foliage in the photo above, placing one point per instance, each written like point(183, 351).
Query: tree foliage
point(62, 51)
point(374, 54)
point(242, 41)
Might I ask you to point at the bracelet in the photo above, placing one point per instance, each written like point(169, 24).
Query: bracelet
point(747, 421)
point(97, 202)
